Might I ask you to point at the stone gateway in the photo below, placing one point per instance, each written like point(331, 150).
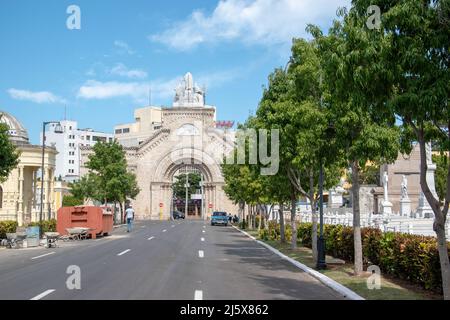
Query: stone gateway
point(165, 140)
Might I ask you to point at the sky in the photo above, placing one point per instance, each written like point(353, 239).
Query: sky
point(98, 74)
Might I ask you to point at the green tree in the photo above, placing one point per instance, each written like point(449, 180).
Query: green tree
point(412, 49)
point(179, 189)
point(86, 188)
point(70, 201)
point(108, 171)
point(362, 129)
point(441, 175)
point(9, 155)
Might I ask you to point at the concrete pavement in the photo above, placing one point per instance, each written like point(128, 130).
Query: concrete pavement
point(181, 260)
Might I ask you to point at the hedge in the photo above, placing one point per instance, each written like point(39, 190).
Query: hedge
point(7, 227)
point(405, 256)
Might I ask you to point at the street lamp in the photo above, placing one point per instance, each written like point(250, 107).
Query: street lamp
point(58, 129)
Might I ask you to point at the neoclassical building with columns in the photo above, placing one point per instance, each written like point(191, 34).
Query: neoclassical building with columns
point(163, 141)
point(20, 193)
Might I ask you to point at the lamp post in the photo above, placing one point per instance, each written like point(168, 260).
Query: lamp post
point(187, 188)
point(58, 129)
point(321, 263)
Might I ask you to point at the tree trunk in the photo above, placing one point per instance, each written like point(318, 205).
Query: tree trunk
point(121, 212)
point(282, 234)
point(358, 269)
point(440, 216)
point(312, 201)
point(293, 223)
point(260, 219)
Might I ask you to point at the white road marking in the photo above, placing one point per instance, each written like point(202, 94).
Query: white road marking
point(204, 226)
point(164, 230)
point(150, 238)
point(123, 252)
point(173, 225)
point(203, 239)
point(203, 231)
point(198, 295)
point(43, 294)
point(43, 255)
point(201, 254)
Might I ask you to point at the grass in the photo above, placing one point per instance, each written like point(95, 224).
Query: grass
point(391, 288)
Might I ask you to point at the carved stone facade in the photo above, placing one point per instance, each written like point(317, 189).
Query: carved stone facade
point(185, 136)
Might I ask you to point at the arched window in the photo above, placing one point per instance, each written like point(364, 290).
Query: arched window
point(1, 197)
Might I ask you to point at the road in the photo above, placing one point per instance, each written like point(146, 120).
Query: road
point(181, 260)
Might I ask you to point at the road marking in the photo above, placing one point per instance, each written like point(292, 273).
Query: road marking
point(173, 225)
point(198, 295)
point(201, 254)
point(204, 226)
point(203, 239)
point(150, 238)
point(164, 230)
point(43, 255)
point(123, 252)
point(203, 231)
point(43, 294)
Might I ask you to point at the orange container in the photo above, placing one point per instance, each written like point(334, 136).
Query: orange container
point(97, 219)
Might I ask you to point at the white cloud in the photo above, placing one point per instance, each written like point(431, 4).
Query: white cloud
point(121, 70)
point(124, 47)
point(162, 90)
point(36, 97)
point(138, 91)
point(266, 22)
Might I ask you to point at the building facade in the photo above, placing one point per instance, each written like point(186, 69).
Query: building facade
point(68, 146)
point(165, 140)
point(20, 193)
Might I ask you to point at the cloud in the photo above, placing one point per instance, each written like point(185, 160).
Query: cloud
point(137, 91)
point(36, 97)
point(124, 47)
point(162, 90)
point(266, 22)
point(121, 70)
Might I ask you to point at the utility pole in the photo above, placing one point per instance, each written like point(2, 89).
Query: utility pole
point(186, 202)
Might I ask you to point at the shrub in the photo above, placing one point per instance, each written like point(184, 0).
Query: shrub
point(243, 224)
point(263, 222)
point(411, 257)
point(7, 227)
point(71, 201)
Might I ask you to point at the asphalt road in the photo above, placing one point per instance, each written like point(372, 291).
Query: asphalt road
point(182, 260)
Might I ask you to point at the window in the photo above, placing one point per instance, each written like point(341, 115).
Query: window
point(110, 140)
point(70, 128)
point(1, 197)
point(118, 131)
point(88, 137)
point(97, 138)
point(126, 130)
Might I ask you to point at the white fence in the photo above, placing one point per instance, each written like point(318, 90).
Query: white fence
point(396, 223)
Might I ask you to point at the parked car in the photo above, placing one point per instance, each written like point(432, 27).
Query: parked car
point(178, 215)
point(219, 217)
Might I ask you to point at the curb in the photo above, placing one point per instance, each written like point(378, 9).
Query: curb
point(346, 292)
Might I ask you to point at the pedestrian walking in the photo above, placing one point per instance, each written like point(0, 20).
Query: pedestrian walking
point(130, 217)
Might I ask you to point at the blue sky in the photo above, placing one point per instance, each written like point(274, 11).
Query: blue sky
point(102, 72)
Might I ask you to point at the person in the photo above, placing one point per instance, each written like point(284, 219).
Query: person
point(130, 217)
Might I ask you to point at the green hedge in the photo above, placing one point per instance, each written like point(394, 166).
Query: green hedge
point(410, 257)
point(7, 227)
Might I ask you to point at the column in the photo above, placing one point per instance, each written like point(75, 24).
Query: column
point(51, 185)
point(35, 200)
point(20, 211)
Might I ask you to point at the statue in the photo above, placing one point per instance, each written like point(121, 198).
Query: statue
point(404, 187)
point(188, 94)
point(385, 185)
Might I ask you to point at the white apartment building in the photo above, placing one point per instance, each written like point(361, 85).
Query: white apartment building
point(68, 146)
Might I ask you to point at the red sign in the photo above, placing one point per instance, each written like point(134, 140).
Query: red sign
point(160, 204)
point(210, 206)
point(224, 124)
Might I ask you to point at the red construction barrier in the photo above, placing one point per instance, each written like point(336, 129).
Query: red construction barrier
point(95, 218)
